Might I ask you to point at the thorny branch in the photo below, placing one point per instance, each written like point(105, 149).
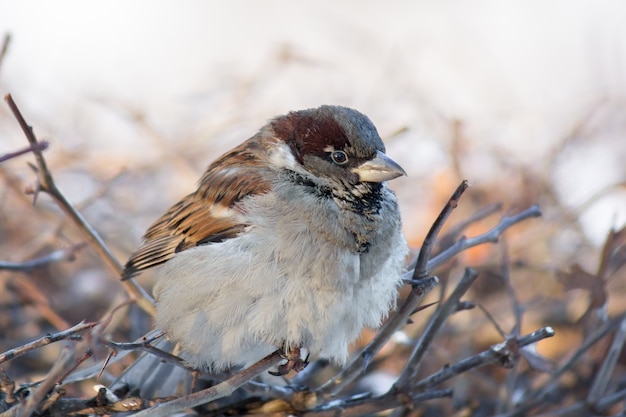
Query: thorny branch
point(47, 184)
point(71, 356)
point(146, 345)
point(503, 354)
point(69, 334)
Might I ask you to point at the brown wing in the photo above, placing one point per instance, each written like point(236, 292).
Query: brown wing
point(208, 215)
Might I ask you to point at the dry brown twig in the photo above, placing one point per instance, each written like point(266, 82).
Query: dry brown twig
point(69, 359)
point(47, 185)
point(72, 333)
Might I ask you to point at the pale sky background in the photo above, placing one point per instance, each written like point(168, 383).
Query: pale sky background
point(206, 75)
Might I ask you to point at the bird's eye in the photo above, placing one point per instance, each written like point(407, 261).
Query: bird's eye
point(339, 157)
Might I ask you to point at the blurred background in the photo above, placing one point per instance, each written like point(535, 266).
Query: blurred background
point(525, 99)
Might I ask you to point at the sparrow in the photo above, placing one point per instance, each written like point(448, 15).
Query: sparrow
point(292, 241)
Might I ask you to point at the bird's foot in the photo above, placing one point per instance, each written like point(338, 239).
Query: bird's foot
point(294, 362)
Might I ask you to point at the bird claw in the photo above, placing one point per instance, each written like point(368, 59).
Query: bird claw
point(294, 362)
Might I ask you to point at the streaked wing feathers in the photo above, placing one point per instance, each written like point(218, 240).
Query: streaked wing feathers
point(210, 214)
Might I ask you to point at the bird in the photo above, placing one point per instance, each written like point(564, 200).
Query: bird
point(292, 241)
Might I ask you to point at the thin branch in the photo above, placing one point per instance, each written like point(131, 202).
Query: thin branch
point(512, 376)
point(533, 399)
point(603, 375)
point(432, 328)
point(69, 334)
point(41, 146)
point(70, 357)
point(220, 390)
point(491, 320)
point(421, 267)
point(508, 285)
point(46, 184)
point(96, 368)
point(585, 408)
point(146, 346)
point(497, 354)
point(61, 255)
point(451, 234)
point(372, 405)
point(490, 237)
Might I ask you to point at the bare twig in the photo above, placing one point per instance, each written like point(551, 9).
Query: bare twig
point(96, 369)
point(490, 237)
point(432, 328)
point(41, 146)
point(603, 376)
point(534, 398)
point(220, 390)
point(146, 346)
point(584, 408)
point(61, 255)
point(491, 320)
point(70, 357)
point(498, 354)
point(421, 267)
point(511, 377)
point(46, 184)
point(69, 334)
point(451, 234)
point(371, 405)
point(506, 277)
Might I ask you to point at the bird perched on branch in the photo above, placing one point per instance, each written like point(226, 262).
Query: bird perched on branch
point(291, 241)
